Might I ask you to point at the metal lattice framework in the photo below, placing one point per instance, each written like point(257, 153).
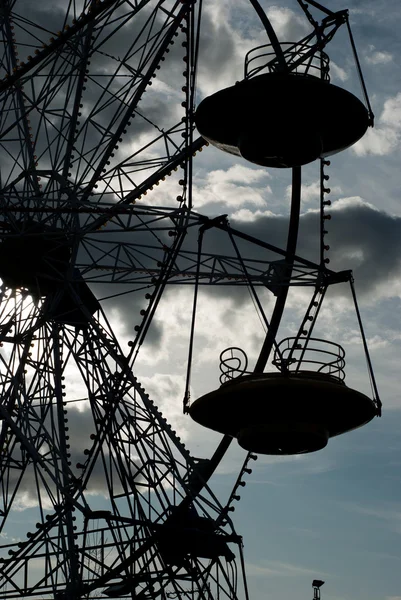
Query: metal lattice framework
point(97, 103)
point(127, 454)
point(121, 508)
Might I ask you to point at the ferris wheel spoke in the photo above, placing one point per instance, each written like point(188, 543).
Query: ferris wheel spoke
point(130, 95)
point(29, 473)
point(59, 137)
point(121, 91)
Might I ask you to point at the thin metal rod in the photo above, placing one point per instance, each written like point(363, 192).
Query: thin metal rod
point(225, 442)
point(322, 223)
point(365, 346)
point(192, 332)
point(289, 258)
point(316, 5)
point(252, 291)
point(241, 556)
point(361, 79)
point(245, 236)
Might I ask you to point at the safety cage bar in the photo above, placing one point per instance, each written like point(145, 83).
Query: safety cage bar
point(263, 58)
point(315, 354)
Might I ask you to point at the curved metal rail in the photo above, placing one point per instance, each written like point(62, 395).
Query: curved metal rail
point(233, 363)
point(318, 355)
point(301, 58)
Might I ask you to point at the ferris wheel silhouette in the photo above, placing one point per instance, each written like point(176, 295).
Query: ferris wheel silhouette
point(120, 507)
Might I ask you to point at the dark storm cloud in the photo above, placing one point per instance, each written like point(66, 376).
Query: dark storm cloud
point(363, 239)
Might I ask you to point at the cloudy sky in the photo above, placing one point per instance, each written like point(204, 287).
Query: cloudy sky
point(334, 515)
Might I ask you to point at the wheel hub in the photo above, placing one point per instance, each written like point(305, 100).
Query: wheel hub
point(35, 258)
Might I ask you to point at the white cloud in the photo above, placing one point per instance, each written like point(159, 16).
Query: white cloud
point(377, 57)
point(362, 11)
point(376, 342)
point(391, 115)
point(238, 174)
point(338, 72)
point(352, 202)
point(385, 138)
point(244, 214)
point(310, 192)
point(380, 141)
point(287, 25)
point(233, 187)
point(222, 50)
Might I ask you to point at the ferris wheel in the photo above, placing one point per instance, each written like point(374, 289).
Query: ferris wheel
point(93, 120)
